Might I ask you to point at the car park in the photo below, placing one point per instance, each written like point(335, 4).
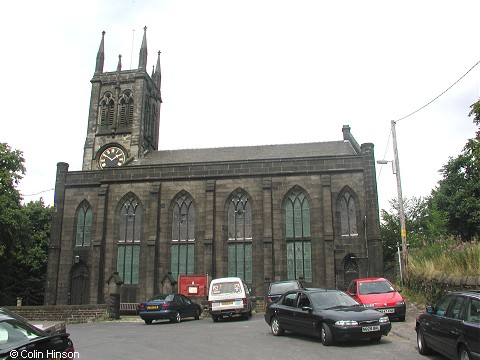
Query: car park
point(173, 307)
point(330, 314)
point(278, 288)
point(229, 297)
point(20, 340)
point(380, 294)
point(451, 327)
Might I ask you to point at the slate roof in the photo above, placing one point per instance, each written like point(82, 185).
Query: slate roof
point(243, 153)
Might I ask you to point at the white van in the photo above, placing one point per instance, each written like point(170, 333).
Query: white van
point(229, 296)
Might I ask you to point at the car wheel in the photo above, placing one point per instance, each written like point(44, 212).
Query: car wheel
point(422, 346)
point(326, 335)
point(197, 314)
point(148, 321)
point(215, 318)
point(177, 318)
point(464, 354)
point(276, 328)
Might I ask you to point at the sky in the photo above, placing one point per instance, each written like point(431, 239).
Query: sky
point(251, 72)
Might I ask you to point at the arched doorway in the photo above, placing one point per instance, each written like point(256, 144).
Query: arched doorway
point(350, 269)
point(79, 285)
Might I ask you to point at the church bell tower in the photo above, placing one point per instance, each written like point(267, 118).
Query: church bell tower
point(124, 114)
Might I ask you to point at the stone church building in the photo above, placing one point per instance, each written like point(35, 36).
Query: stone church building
point(263, 213)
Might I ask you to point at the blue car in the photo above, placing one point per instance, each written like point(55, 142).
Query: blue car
point(173, 307)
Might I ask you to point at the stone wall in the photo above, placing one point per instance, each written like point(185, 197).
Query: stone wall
point(71, 314)
point(437, 286)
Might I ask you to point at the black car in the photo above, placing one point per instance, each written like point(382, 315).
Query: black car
point(330, 314)
point(20, 340)
point(452, 327)
point(278, 288)
point(173, 307)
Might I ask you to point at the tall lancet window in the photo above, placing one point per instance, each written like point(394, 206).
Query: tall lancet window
point(183, 237)
point(126, 110)
point(240, 238)
point(298, 239)
point(130, 222)
point(348, 215)
point(107, 112)
point(84, 225)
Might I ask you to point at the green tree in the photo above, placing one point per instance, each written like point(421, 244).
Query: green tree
point(11, 172)
point(32, 254)
point(423, 222)
point(24, 235)
point(457, 195)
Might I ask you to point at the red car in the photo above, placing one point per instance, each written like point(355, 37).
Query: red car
point(378, 293)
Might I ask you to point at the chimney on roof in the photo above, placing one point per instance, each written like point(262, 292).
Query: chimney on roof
point(347, 135)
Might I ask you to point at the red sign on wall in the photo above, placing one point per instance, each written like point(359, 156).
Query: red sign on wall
point(193, 285)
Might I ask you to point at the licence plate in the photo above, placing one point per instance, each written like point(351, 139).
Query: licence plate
point(227, 303)
point(387, 311)
point(370, 328)
point(151, 307)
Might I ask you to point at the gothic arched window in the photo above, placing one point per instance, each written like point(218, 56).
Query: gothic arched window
point(130, 222)
point(107, 112)
point(84, 225)
point(348, 215)
point(126, 110)
point(183, 237)
point(240, 238)
point(298, 239)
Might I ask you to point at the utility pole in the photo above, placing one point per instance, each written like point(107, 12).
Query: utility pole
point(400, 205)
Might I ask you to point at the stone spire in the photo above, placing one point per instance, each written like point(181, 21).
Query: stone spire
point(142, 62)
point(119, 65)
point(157, 76)
point(100, 56)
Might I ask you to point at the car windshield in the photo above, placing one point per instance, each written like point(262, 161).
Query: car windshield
point(280, 288)
point(163, 297)
point(374, 287)
point(331, 299)
point(226, 288)
point(14, 333)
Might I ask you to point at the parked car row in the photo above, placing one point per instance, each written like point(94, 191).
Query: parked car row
point(451, 327)
point(227, 297)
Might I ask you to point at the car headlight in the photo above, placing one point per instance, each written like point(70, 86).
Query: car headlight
point(346, 323)
point(384, 319)
point(368, 305)
point(400, 303)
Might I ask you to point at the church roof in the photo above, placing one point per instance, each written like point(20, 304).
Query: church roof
point(244, 153)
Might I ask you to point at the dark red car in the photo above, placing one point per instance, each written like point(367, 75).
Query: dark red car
point(380, 294)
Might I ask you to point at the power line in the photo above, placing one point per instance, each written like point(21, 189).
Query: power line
point(40, 192)
point(431, 101)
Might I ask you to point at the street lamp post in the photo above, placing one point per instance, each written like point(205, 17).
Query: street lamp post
point(401, 212)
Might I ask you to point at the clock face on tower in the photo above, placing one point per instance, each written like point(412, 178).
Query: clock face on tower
point(112, 156)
